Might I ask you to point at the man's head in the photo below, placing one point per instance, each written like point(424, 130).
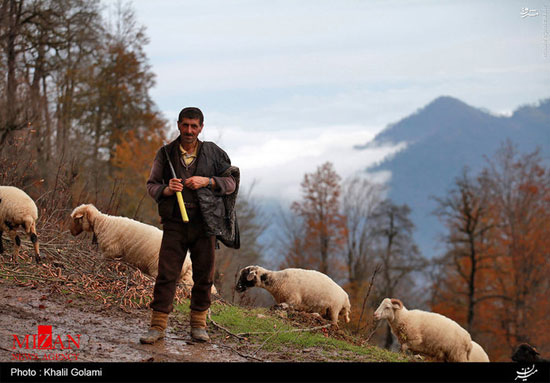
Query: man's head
point(192, 113)
point(190, 124)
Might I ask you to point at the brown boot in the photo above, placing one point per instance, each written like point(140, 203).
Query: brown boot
point(159, 321)
point(198, 326)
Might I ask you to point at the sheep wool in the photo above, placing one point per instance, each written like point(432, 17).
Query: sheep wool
point(478, 354)
point(126, 239)
point(303, 290)
point(426, 333)
point(18, 209)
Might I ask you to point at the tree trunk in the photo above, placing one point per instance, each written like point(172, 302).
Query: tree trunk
point(12, 22)
point(471, 283)
point(47, 121)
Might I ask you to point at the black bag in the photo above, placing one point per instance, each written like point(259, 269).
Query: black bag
point(230, 235)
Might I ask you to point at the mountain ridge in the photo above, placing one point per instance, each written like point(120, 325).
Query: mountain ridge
point(442, 138)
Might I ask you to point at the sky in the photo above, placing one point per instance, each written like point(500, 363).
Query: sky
point(287, 85)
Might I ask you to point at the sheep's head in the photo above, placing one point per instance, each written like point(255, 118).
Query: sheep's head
point(80, 219)
point(248, 277)
point(525, 353)
point(387, 309)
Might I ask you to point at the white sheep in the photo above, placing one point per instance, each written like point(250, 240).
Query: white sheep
point(478, 354)
point(123, 238)
point(17, 208)
point(426, 333)
point(303, 290)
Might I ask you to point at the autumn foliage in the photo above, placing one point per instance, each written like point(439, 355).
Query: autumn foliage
point(494, 277)
point(350, 232)
point(77, 92)
point(323, 227)
point(131, 162)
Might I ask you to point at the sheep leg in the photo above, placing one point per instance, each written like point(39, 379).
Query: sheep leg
point(16, 244)
point(407, 350)
point(1, 242)
point(457, 356)
point(34, 239)
point(412, 344)
point(14, 238)
point(332, 315)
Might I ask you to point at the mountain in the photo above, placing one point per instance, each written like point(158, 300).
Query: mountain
point(444, 137)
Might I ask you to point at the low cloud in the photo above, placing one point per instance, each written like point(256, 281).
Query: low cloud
point(276, 161)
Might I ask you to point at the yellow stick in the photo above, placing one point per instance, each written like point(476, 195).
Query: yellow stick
point(178, 194)
point(182, 207)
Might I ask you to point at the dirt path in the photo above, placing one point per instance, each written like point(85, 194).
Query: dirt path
point(106, 334)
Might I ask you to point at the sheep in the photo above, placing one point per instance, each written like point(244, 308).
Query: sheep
point(426, 333)
point(478, 354)
point(303, 290)
point(119, 237)
point(525, 353)
point(17, 208)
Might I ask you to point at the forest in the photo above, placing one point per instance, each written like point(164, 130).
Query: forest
point(78, 125)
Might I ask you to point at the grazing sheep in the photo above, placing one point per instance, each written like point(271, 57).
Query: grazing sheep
point(526, 353)
point(478, 354)
point(17, 208)
point(131, 241)
point(426, 333)
point(303, 290)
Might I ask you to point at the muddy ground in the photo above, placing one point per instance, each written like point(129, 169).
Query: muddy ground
point(107, 334)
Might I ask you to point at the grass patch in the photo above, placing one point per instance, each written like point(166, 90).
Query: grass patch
point(275, 335)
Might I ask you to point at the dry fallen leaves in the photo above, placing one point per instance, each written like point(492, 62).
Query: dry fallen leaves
point(75, 268)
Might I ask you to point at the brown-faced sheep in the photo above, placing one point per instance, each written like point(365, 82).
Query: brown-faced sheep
point(525, 353)
point(18, 209)
point(302, 290)
point(126, 239)
point(426, 333)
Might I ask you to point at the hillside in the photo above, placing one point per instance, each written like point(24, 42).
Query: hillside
point(444, 137)
point(105, 303)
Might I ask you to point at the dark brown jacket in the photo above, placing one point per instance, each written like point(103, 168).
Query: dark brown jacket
point(216, 206)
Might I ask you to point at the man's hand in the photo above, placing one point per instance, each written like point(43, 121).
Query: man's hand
point(174, 185)
point(193, 183)
point(197, 182)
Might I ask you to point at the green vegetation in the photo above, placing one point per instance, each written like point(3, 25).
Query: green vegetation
point(295, 338)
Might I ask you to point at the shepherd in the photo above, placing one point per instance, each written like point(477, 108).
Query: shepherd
point(209, 186)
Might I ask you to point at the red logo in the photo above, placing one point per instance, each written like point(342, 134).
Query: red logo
point(44, 339)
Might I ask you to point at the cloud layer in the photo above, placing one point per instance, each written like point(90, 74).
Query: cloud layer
point(288, 85)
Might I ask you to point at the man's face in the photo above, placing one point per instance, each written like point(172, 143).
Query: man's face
point(190, 129)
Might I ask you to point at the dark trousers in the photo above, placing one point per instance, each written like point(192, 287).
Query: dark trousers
point(177, 238)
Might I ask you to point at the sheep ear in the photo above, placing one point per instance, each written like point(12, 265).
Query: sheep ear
point(79, 215)
point(397, 303)
point(251, 275)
